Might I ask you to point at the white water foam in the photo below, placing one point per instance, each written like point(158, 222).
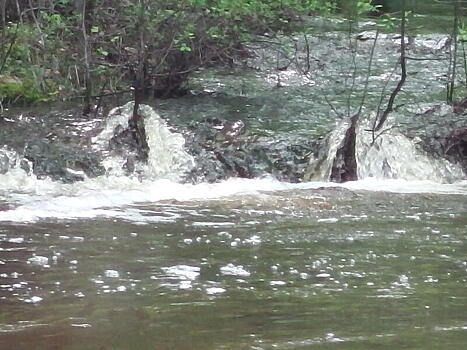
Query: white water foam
point(167, 157)
point(321, 167)
point(390, 156)
point(394, 156)
point(112, 196)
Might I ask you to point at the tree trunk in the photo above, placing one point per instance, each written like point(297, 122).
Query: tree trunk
point(86, 56)
point(3, 13)
point(453, 57)
point(136, 122)
point(344, 167)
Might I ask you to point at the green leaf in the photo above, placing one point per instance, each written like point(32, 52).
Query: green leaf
point(102, 52)
point(185, 48)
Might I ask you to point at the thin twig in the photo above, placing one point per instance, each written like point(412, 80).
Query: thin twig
point(402, 61)
point(367, 80)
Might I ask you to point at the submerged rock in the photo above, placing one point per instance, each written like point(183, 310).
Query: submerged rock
point(224, 149)
point(61, 163)
point(441, 130)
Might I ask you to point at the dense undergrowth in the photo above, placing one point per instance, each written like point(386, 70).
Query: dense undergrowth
point(56, 49)
point(62, 48)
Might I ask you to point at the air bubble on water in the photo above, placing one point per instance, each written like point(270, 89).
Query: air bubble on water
point(323, 275)
point(277, 283)
point(111, 274)
point(414, 217)
point(81, 325)
point(224, 234)
point(215, 290)
point(253, 240)
point(39, 260)
point(183, 271)
point(328, 220)
point(331, 337)
point(34, 300)
point(233, 270)
point(185, 284)
point(430, 279)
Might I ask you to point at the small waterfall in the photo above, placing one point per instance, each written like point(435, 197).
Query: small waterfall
point(11, 161)
point(391, 156)
point(320, 166)
point(167, 156)
point(394, 156)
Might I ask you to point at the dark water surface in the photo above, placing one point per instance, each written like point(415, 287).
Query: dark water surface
point(317, 269)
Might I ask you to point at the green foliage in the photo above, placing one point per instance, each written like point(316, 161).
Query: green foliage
point(13, 89)
point(387, 22)
point(179, 37)
point(356, 9)
point(462, 32)
point(29, 63)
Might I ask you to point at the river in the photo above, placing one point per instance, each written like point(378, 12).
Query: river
point(260, 269)
point(120, 261)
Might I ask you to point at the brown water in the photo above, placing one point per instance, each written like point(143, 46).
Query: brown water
point(303, 269)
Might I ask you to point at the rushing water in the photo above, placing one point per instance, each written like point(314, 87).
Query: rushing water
point(146, 262)
point(118, 262)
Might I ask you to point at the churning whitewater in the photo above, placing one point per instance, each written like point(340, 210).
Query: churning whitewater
point(391, 164)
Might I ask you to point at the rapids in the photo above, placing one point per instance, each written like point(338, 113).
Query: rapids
point(390, 155)
point(98, 251)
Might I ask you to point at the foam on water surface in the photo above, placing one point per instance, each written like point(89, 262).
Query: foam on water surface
point(112, 195)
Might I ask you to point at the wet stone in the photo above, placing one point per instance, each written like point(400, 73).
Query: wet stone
point(440, 133)
point(62, 163)
point(224, 149)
